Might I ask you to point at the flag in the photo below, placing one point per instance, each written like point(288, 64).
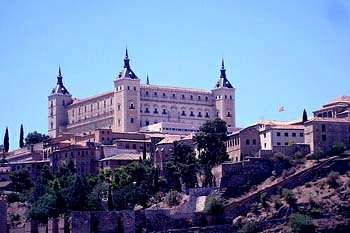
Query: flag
point(281, 109)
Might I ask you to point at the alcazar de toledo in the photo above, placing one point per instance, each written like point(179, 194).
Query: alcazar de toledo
point(118, 127)
point(133, 107)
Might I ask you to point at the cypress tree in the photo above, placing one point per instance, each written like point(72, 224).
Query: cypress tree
point(304, 116)
point(144, 151)
point(21, 137)
point(110, 199)
point(6, 140)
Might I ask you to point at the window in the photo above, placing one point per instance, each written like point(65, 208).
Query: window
point(278, 134)
point(294, 134)
point(230, 97)
point(134, 88)
point(286, 134)
point(155, 110)
point(225, 96)
point(199, 114)
point(324, 138)
point(254, 141)
point(286, 143)
point(278, 143)
point(207, 115)
point(206, 98)
point(191, 97)
point(183, 97)
point(192, 114)
point(146, 93)
point(132, 106)
point(134, 146)
point(228, 114)
point(103, 132)
point(323, 128)
point(147, 122)
point(118, 122)
point(264, 145)
point(147, 110)
point(247, 142)
point(217, 113)
point(131, 120)
point(349, 128)
point(265, 136)
point(174, 96)
point(128, 88)
point(183, 113)
point(63, 103)
point(155, 93)
point(164, 111)
point(301, 134)
point(111, 101)
point(104, 103)
point(199, 97)
point(163, 94)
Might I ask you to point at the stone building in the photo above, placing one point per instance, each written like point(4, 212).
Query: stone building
point(323, 133)
point(132, 105)
point(280, 134)
point(338, 108)
point(243, 143)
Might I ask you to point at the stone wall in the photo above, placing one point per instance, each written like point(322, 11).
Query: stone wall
point(3, 215)
point(103, 221)
point(242, 206)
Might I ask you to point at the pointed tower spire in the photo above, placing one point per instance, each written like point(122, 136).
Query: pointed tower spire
point(126, 53)
point(126, 59)
point(223, 82)
point(147, 81)
point(59, 77)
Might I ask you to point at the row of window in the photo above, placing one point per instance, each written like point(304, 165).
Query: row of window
point(286, 134)
point(183, 96)
point(90, 108)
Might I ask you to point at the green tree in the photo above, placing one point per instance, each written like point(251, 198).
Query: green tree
point(77, 195)
point(156, 180)
point(304, 116)
point(182, 166)
point(6, 140)
point(250, 227)
point(35, 137)
point(144, 154)
point(21, 137)
point(211, 146)
point(21, 180)
point(300, 223)
point(214, 205)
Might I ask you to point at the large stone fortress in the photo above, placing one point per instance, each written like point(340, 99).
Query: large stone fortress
point(132, 106)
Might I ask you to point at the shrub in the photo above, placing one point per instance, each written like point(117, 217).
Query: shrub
point(276, 202)
point(172, 198)
point(338, 148)
point(283, 159)
point(254, 207)
point(263, 200)
point(332, 179)
point(12, 197)
point(214, 205)
point(289, 196)
point(249, 227)
point(300, 223)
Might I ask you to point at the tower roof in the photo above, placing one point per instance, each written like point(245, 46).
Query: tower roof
point(60, 88)
point(127, 72)
point(223, 81)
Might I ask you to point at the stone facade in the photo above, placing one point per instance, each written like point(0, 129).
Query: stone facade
point(3, 215)
point(132, 105)
point(338, 108)
point(323, 133)
point(243, 143)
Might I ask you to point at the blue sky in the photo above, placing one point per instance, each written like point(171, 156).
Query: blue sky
point(277, 53)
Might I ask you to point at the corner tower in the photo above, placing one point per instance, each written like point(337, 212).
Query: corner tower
point(224, 97)
point(58, 99)
point(126, 99)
